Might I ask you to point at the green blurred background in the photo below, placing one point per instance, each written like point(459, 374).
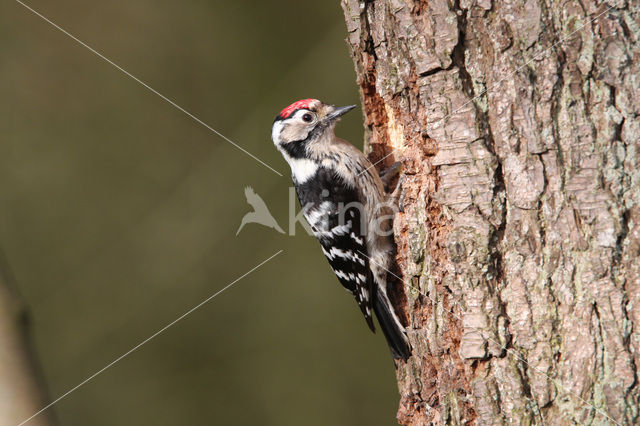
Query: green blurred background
point(119, 213)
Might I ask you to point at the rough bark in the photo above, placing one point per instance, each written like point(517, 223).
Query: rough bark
point(21, 390)
point(517, 123)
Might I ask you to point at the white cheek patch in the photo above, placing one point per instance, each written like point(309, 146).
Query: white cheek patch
point(288, 130)
point(275, 131)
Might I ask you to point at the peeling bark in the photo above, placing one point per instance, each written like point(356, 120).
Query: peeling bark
point(518, 126)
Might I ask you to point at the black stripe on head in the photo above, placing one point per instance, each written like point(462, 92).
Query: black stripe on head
point(297, 149)
point(280, 117)
point(291, 114)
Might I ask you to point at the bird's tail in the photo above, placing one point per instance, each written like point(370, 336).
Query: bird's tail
point(391, 327)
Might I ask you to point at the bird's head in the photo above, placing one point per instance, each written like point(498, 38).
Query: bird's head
point(305, 121)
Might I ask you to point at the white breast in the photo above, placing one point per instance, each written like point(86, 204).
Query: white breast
point(302, 169)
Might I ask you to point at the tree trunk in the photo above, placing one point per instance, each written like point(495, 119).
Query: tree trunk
point(517, 125)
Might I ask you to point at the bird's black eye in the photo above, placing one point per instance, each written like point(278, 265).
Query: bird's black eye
point(308, 118)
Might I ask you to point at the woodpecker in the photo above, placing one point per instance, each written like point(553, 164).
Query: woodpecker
point(346, 206)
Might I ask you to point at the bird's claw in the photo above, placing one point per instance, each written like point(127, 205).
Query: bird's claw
point(389, 174)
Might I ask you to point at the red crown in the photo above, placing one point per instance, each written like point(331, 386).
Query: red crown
point(304, 103)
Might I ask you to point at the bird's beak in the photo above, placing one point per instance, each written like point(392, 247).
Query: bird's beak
point(338, 112)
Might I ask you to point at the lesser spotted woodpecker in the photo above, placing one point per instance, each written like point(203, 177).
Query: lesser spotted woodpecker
point(345, 204)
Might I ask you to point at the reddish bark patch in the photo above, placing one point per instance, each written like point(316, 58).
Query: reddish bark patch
point(376, 119)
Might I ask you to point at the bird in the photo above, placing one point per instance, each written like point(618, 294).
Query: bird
point(344, 201)
point(260, 213)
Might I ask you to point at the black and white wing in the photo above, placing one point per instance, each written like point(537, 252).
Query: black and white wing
point(335, 215)
point(344, 247)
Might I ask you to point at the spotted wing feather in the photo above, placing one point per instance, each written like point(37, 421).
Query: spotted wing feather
point(333, 211)
point(344, 248)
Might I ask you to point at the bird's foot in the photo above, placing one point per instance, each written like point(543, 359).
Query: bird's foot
point(387, 176)
point(398, 193)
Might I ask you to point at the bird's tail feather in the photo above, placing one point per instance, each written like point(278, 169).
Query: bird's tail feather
point(391, 328)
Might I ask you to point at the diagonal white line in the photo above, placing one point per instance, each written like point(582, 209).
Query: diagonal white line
point(146, 86)
point(534, 58)
point(510, 350)
point(145, 341)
